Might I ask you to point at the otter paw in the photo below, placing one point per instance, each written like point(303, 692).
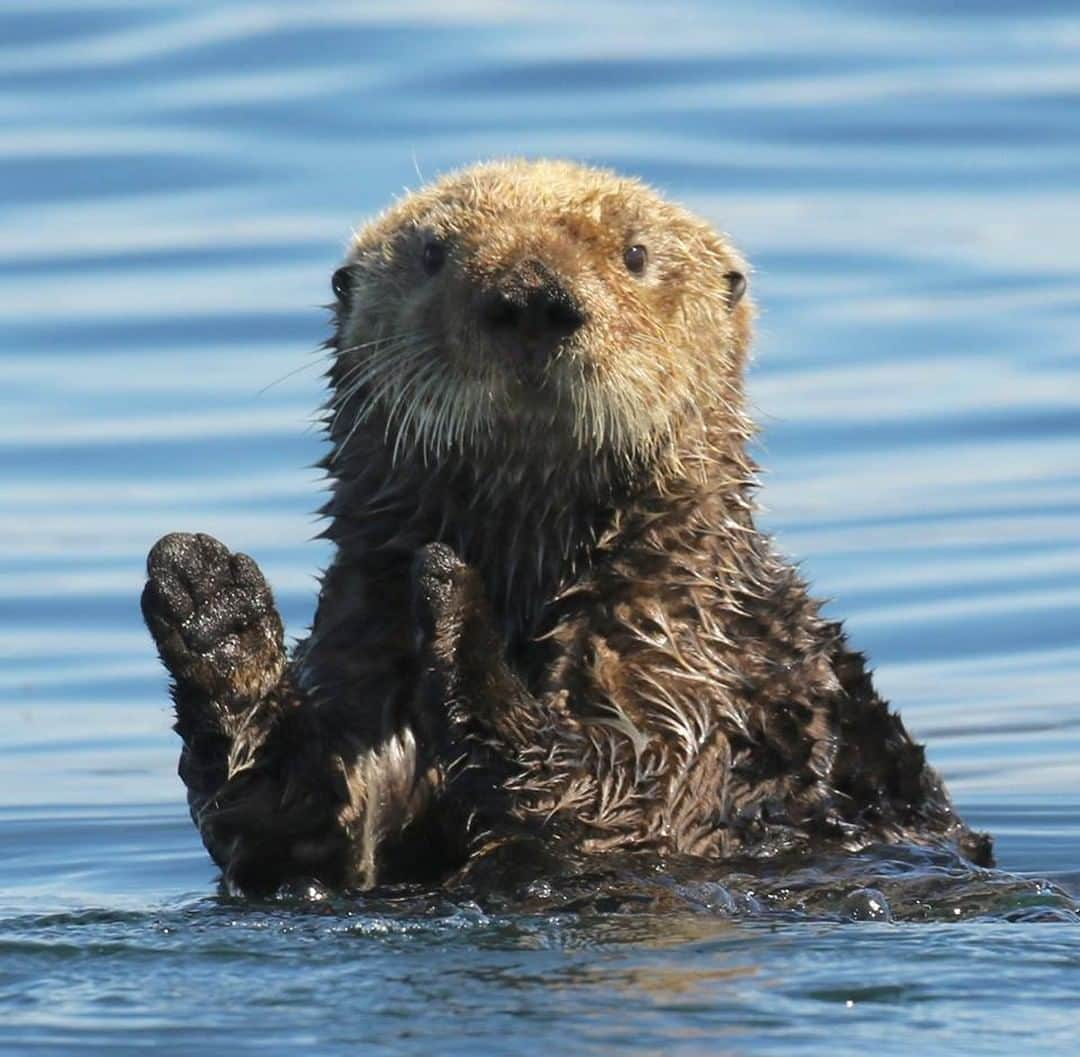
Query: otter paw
point(436, 570)
point(213, 619)
point(441, 587)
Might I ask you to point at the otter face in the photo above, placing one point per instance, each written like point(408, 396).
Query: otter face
point(537, 301)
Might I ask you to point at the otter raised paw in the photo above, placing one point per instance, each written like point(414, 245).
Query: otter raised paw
point(213, 620)
point(463, 659)
point(253, 759)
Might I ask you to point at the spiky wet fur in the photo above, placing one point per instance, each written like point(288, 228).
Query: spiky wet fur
point(608, 654)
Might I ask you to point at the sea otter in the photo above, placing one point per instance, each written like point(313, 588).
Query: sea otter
point(550, 619)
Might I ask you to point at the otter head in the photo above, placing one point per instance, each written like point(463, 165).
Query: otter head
point(536, 303)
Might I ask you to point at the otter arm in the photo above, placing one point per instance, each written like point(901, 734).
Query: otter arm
point(497, 731)
point(251, 756)
point(491, 713)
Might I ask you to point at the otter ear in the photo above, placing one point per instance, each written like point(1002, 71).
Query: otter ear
point(736, 282)
point(341, 283)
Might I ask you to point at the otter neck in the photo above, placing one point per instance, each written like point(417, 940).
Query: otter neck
point(530, 525)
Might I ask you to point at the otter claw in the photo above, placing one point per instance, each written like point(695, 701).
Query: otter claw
point(213, 618)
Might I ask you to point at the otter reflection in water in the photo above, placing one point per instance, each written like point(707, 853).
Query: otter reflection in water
point(550, 624)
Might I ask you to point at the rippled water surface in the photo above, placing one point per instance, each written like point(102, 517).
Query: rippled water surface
point(178, 181)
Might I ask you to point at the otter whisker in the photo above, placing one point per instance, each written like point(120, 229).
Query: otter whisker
point(429, 393)
point(416, 392)
point(384, 384)
point(319, 358)
point(377, 352)
point(371, 367)
point(441, 394)
point(409, 334)
point(374, 352)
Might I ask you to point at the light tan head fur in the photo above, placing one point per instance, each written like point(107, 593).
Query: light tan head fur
point(653, 349)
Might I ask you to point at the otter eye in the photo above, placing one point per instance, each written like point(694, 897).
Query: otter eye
point(341, 283)
point(434, 256)
point(635, 258)
point(736, 282)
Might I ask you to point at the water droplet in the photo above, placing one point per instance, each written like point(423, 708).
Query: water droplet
point(867, 904)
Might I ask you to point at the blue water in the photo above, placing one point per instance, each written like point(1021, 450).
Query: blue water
point(177, 182)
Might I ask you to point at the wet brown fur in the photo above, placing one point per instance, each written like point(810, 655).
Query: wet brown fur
point(604, 652)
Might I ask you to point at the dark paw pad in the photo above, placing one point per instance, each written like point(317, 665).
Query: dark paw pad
point(212, 617)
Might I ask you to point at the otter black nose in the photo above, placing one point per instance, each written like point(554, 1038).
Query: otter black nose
point(530, 303)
